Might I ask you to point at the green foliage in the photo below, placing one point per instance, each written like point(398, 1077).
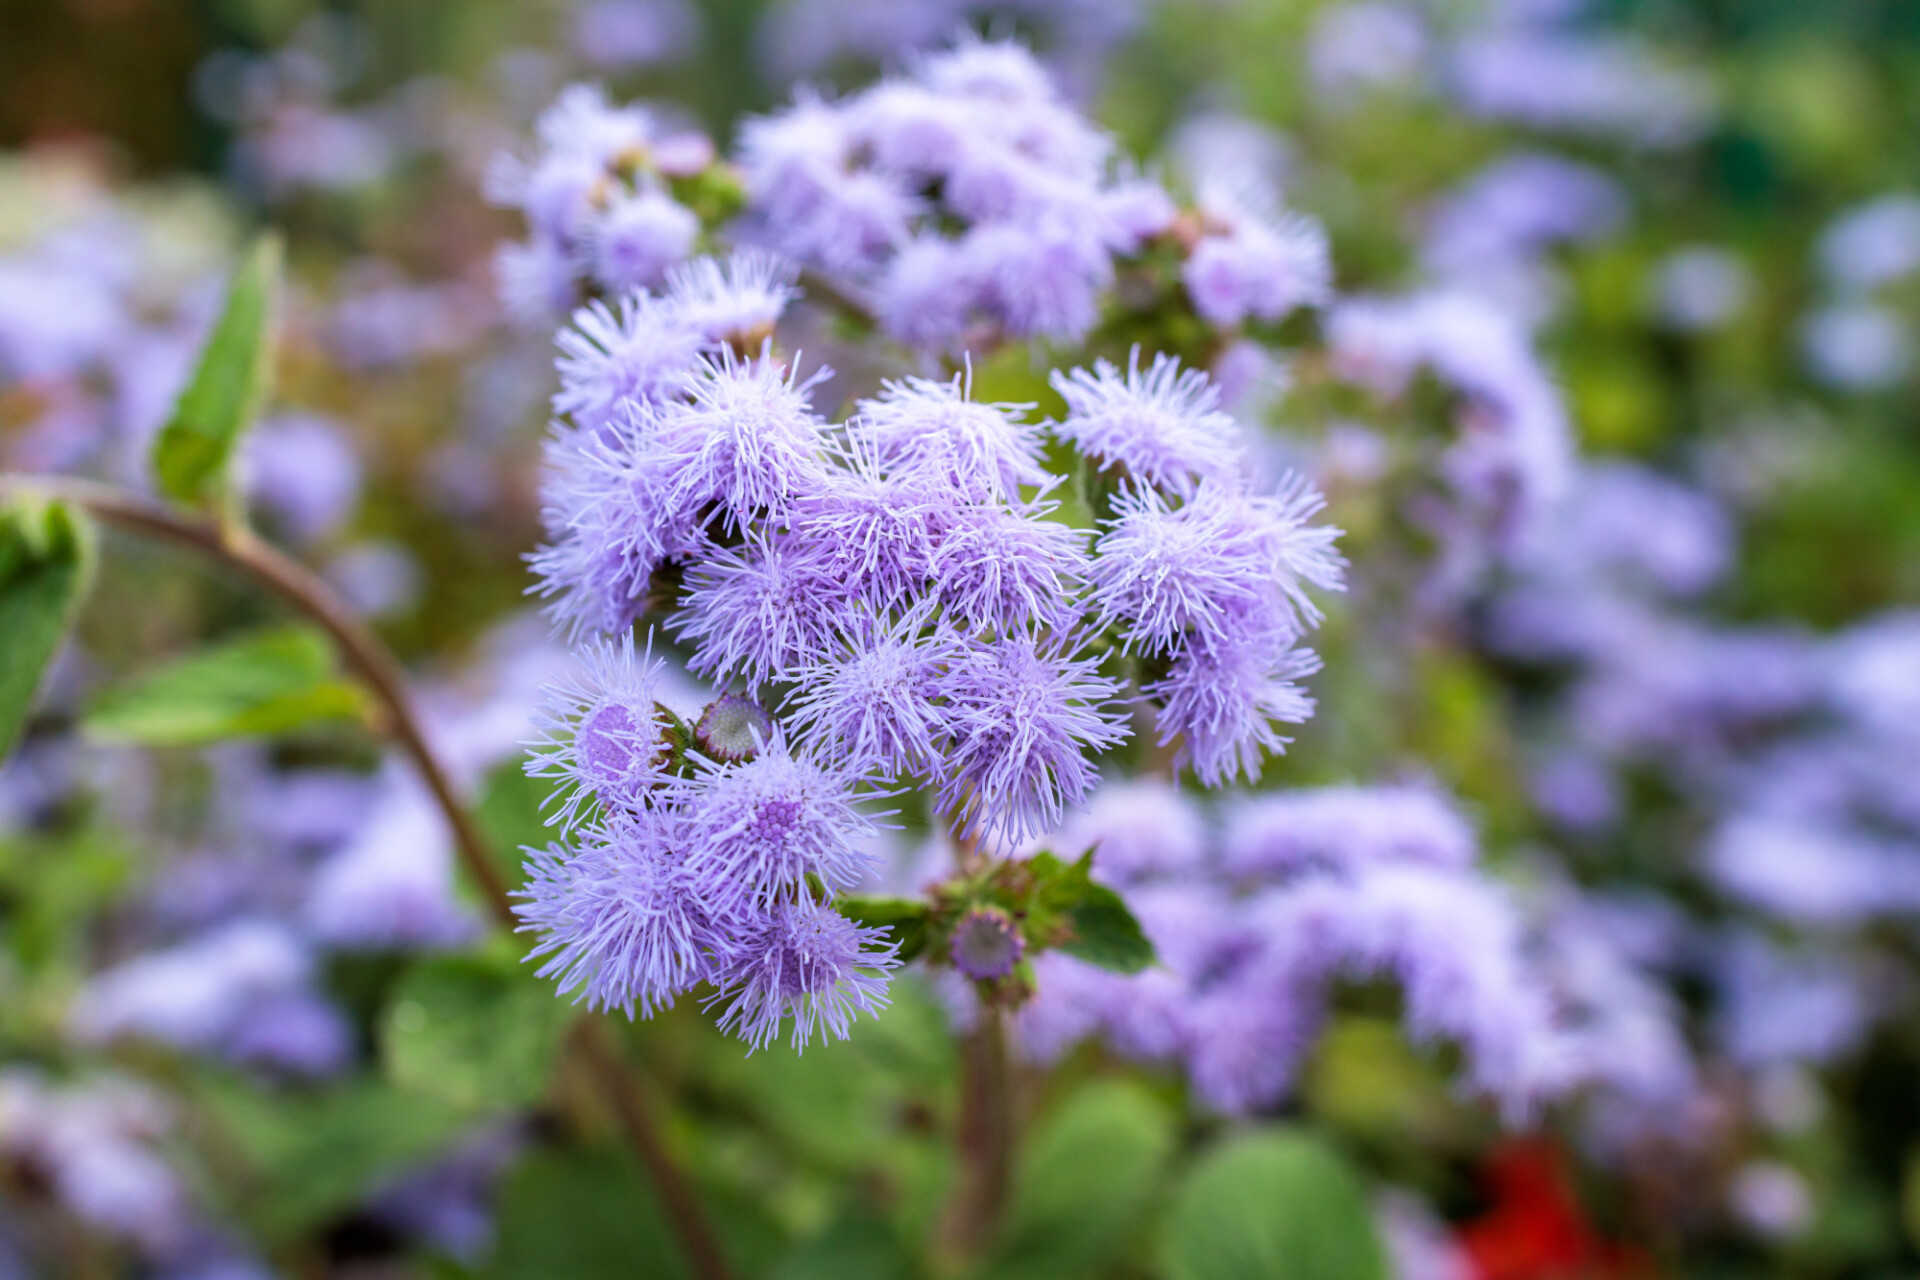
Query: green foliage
point(296, 1160)
point(1085, 1178)
point(474, 1031)
point(906, 917)
point(1101, 930)
point(856, 1247)
point(46, 563)
point(1278, 1204)
point(193, 453)
point(581, 1215)
point(510, 815)
point(266, 683)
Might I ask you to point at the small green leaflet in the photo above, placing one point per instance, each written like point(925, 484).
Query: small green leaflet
point(192, 453)
point(1104, 931)
point(265, 683)
point(46, 563)
point(477, 1031)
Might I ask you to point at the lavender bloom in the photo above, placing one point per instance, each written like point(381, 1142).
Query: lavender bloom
point(1286, 833)
point(1368, 45)
point(1255, 262)
point(1009, 568)
point(1701, 288)
point(1584, 84)
point(1137, 831)
point(987, 945)
point(1857, 347)
point(644, 353)
point(806, 962)
point(1220, 702)
point(876, 701)
point(632, 243)
point(392, 885)
point(620, 916)
point(623, 34)
point(735, 300)
point(602, 736)
point(1021, 715)
point(755, 831)
point(300, 468)
point(934, 432)
point(765, 608)
point(744, 439)
point(1164, 427)
point(1873, 244)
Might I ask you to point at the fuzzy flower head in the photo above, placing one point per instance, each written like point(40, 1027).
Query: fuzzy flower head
point(754, 831)
point(638, 354)
point(1008, 568)
point(632, 243)
point(1022, 718)
point(760, 610)
point(987, 944)
point(744, 439)
point(806, 962)
point(1163, 426)
point(620, 926)
point(1256, 263)
point(1221, 701)
point(933, 431)
point(875, 703)
point(735, 301)
point(602, 734)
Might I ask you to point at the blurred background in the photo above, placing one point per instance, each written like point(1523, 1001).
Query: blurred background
point(1685, 724)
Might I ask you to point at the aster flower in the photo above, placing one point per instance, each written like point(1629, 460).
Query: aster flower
point(1022, 716)
point(754, 831)
point(744, 439)
point(807, 962)
point(760, 610)
point(1164, 427)
point(1220, 702)
point(873, 532)
point(642, 353)
point(619, 919)
point(874, 704)
point(1261, 264)
point(1338, 828)
point(1009, 568)
point(932, 430)
point(636, 238)
point(602, 734)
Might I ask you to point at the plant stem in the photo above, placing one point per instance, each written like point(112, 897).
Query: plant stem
point(985, 1139)
point(239, 548)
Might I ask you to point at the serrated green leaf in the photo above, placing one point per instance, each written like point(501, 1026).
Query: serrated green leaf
point(906, 917)
point(1274, 1205)
point(1085, 1178)
point(1105, 932)
point(477, 1032)
point(194, 450)
point(265, 683)
point(307, 1157)
point(46, 564)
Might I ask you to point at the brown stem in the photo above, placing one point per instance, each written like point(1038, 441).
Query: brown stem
point(298, 586)
point(985, 1138)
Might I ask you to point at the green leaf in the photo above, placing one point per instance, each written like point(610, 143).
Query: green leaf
point(307, 1157)
point(856, 1247)
point(1105, 932)
point(265, 683)
point(475, 1031)
point(905, 916)
point(46, 564)
point(1085, 1179)
point(1273, 1205)
point(192, 453)
point(511, 817)
point(581, 1215)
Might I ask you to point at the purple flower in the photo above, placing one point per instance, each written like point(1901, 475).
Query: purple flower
point(871, 532)
point(987, 944)
point(1164, 427)
point(929, 295)
point(933, 431)
point(1259, 264)
point(1021, 717)
point(807, 962)
point(1221, 700)
point(874, 703)
point(760, 610)
point(1009, 568)
point(392, 885)
point(632, 243)
point(535, 281)
point(736, 300)
point(302, 467)
point(1136, 830)
point(602, 735)
point(754, 831)
point(644, 353)
point(619, 916)
point(1286, 833)
point(745, 439)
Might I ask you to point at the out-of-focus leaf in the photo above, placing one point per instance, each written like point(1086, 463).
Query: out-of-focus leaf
point(193, 453)
point(1274, 1205)
point(857, 1247)
point(473, 1031)
point(1102, 929)
point(46, 562)
point(307, 1157)
point(509, 815)
point(904, 916)
point(1085, 1179)
point(266, 683)
point(581, 1215)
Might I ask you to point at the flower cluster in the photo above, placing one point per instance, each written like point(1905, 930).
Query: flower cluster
point(598, 203)
point(964, 200)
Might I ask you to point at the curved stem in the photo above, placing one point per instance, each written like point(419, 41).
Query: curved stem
point(239, 548)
